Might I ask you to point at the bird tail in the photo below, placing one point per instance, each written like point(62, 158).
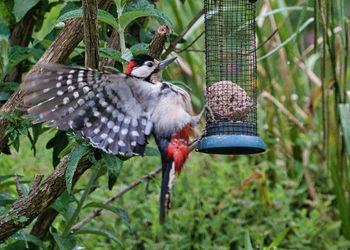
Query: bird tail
point(168, 176)
point(174, 152)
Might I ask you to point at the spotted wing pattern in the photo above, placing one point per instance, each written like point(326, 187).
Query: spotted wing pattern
point(106, 109)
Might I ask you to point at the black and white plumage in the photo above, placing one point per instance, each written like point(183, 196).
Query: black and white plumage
point(111, 111)
point(117, 112)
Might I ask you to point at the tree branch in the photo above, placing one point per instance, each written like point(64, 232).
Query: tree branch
point(43, 223)
point(97, 211)
point(39, 199)
point(157, 44)
point(172, 45)
point(90, 33)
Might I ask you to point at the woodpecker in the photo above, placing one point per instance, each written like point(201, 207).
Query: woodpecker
point(117, 112)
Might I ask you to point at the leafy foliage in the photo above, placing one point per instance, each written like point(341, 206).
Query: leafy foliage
point(294, 196)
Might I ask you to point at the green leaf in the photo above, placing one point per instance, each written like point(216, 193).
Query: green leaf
point(302, 27)
point(18, 54)
point(69, 15)
point(4, 96)
point(280, 236)
point(3, 56)
point(15, 140)
point(111, 53)
point(139, 48)
point(127, 55)
point(5, 177)
point(152, 152)
point(6, 115)
point(72, 164)
point(142, 8)
point(21, 8)
point(59, 144)
point(106, 17)
point(102, 16)
point(6, 199)
point(98, 231)
point(284, 9)
point(114, 166)
point(36, 128)
point(247, 242)
point(342, 203)
point(9, 86)
point(61, 204)
point(345, 122)
point(6, 15)
point(30, 238)
point(66, 243)
point(118, 211)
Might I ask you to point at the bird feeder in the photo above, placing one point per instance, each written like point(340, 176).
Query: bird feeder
point(231, 78)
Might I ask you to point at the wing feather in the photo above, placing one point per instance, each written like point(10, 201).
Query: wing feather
point(111, 111)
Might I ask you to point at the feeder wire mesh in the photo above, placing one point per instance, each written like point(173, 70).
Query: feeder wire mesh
point(231, 70)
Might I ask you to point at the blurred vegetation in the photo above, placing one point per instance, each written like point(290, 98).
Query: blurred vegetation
point(294, 196)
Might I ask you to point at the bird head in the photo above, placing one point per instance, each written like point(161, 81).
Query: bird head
point(145, 67)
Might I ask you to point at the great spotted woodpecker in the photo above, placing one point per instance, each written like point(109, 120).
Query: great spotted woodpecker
point(117, 112)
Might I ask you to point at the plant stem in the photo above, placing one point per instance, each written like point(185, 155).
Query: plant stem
point(92, 180)
point(121, 32)
point(122, 44)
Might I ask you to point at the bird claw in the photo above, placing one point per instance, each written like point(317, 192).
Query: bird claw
point(210, 111)
point(190, 143)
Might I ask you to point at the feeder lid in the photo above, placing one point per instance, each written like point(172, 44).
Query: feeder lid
point(231, 144)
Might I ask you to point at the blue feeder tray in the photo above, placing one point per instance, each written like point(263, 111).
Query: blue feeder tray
point(231, 143)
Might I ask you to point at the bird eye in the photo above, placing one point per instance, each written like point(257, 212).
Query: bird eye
point(149, 64)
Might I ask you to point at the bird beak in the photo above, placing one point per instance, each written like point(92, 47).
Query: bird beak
point(163, 64)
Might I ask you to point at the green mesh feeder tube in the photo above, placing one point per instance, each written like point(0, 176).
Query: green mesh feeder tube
point(231, 78)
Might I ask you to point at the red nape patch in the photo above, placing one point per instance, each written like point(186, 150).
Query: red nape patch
point(178, 147)
point(129, 67)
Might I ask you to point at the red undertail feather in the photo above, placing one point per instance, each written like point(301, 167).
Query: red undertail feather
point(178, 147)
point(129, 67)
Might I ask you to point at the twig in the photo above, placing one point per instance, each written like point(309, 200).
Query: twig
point(172, 45)
point(189, 50)
point(157, 44)
point(201, 50)
point(290, 116)
point(97, 211)
point(284, 110)
point(188, 46)
point(310, 185)
point(266, 40)
point(256, 174)
point(36, 181)
point(18, 188)
point(90, 33)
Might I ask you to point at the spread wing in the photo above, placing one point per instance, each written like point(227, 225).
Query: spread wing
point(111, 111)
